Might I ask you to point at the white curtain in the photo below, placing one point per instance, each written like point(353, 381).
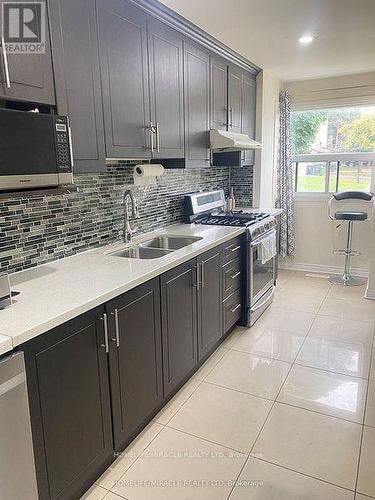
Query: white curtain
point(284, 180)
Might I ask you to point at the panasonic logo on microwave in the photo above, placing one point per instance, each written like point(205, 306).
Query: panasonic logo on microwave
point(24, 180)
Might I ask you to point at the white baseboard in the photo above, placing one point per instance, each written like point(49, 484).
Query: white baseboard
point(370, 294)
point(315, 268)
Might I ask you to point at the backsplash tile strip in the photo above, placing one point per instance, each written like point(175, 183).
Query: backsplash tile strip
point(35, 230)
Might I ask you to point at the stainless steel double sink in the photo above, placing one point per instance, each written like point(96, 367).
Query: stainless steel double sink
point(156, 247)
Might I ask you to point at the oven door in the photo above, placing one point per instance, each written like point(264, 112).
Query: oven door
point(262, 276)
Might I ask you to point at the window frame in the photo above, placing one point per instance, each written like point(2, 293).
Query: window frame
point(329, 158)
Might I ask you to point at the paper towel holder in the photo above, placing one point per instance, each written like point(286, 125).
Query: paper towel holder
point(146, 174)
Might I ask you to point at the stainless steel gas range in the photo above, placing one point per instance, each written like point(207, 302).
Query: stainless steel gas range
point(208, 208)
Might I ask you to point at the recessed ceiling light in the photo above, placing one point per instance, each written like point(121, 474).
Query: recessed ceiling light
point(306, 39)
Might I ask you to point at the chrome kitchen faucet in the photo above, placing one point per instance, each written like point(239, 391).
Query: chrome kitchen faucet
point(128, 231)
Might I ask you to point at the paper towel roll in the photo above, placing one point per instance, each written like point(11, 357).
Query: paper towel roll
point(146, 174)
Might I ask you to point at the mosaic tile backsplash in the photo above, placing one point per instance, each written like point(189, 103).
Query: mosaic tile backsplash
point(35, 230)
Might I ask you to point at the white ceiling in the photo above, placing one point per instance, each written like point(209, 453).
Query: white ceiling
point(266, 32)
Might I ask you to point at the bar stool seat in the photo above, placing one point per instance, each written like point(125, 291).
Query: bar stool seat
point(351, 215)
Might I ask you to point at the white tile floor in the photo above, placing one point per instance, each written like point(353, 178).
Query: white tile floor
point(282, 411)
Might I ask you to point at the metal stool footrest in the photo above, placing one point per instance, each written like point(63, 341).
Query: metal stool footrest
point(351, 253)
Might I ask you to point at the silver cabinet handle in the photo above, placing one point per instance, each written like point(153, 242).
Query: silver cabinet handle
point(234, 276)
point(152, 131)
point(235, 308)
point(5, 60)
point(196, 279)
point(106, 338)
point(117, 329)
point(231, 117)
point(202, 274)
point(236, 248)
point(157, 130)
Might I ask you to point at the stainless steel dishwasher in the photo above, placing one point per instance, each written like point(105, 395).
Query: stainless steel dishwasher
point(17, 467)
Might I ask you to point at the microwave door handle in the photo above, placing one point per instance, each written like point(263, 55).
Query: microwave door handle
point(70, 146)
point(5, 61)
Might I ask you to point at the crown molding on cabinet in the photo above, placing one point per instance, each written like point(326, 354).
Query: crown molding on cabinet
point(181, 24)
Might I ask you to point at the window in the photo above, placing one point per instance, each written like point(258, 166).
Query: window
point(333, 149)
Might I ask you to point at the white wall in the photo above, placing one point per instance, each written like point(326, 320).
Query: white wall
point(268, 88)
point(316, 234)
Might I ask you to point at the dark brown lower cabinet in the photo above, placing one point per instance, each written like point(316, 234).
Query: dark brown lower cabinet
point(135, 360)
point(70, 406)
point(179, 323)
point(210, 328)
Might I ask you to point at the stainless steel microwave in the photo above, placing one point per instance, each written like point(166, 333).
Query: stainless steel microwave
point(35, 150)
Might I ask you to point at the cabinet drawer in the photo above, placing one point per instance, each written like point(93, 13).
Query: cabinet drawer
point(232, 276)
point(232, 249)
point(232, 309)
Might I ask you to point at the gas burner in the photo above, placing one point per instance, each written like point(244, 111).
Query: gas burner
point(234, 219)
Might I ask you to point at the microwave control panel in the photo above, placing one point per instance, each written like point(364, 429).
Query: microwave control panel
point(63, 143)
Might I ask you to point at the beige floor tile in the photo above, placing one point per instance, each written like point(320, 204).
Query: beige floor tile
point(275, 318)
point(355, 309)
point(166, 413)
point(370, 407)
point(113, 496)
point(251, 374)
point(318, 445)
point(291, 301)
point(372, 371)
point(366, 476)
point(184, 467)
point(344, 330)
point(333, 394)
point(264, 481)
point(210, 364)
point(95, 493)
point(339, 357)
point(305, 285)
point(347, 292)
point(129, 456)
point(362, 497)
point(226, 417)
point(269, 343)
point(229, 341)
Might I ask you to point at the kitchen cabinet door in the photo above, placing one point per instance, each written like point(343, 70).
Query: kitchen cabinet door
point(197, 105)
point(135, 360)
point(210, 301)
point(70, 406)
point(248, 114)
point(234, 99)
point(78, 91)
point(124, 74)
point(30, 75)
point(166, 89)
point(219, 93)
point(179, 324)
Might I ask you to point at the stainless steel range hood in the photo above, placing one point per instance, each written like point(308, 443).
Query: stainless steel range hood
point(221, 140)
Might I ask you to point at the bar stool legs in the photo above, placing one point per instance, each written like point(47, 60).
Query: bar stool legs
point(345, 279)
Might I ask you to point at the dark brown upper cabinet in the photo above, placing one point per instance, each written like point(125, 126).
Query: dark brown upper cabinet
point(248, 114)
point(210, 329)
point(77, 79)
point(29, 76)
point(235, 84)
point(197, 105)
point(125, 81)
point(165, 47)
point(70, 406)
point(219, 93)
point(179, 324)
point(135, 360)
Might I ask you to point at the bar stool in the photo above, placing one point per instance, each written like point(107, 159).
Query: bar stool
point(350, 216)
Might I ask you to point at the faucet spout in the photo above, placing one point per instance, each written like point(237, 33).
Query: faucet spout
point(128, 232)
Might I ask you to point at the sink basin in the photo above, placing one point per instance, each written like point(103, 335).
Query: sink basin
point(169, 242)
point(141, 253)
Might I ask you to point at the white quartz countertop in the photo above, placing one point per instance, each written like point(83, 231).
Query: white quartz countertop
point(54, 293)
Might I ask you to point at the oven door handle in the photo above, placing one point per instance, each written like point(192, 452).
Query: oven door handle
point(259, 240)
point(269, 296)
